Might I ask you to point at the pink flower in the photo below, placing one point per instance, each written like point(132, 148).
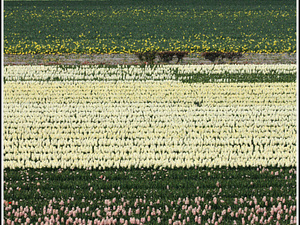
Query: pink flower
point(278, 216)
point(137, 211)
point(249, 217)
point(158, 220)
point(255, 201)
point(194, 212)
point(199, 220)
point(158, 212)
point(215, 200)
point(98, 213)
point(266, 203)
point(132, 220)
point(286, 217)
point(235, 201)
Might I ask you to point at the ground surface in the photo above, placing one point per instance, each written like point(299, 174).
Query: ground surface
point(113, 59)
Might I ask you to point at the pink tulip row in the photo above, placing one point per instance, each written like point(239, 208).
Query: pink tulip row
point(113, 213)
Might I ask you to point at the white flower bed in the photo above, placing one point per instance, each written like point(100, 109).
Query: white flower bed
point(153, 123)
point(161, 72)
point(237, 69)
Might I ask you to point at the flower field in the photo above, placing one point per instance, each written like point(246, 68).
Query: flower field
point(172, 144)
point(184, 73)
point(74, 27)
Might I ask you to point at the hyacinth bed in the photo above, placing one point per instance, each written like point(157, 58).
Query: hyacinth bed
point(169, 144)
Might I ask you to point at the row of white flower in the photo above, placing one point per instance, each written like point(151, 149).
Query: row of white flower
point(212, 157)
point(161, 124)
point(160, 72)
point(169, 119)
point(238, 69)
point(208, 94)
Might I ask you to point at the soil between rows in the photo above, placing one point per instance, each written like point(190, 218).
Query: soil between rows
point(131, 59)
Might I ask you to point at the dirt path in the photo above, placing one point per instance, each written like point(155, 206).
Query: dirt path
point(131, 59)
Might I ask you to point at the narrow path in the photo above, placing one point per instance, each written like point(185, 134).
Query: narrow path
point(113, 59)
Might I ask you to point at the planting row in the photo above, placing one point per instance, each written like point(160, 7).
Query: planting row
point(203, 73)
point(71, 27)
point(147, 196)
point(135, 93)
point(148, 124)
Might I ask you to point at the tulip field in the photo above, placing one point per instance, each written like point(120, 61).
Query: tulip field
point(114, 26)
point(159, 144)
